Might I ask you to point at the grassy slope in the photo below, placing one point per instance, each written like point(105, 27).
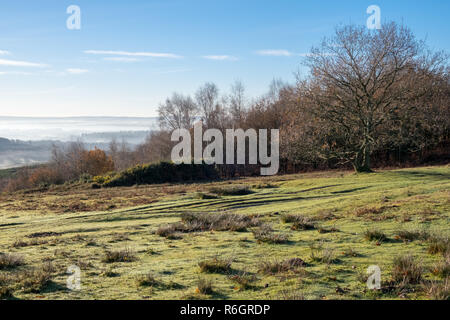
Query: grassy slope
point(419, 194)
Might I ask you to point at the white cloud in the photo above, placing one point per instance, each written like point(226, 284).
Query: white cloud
point(2, 73)
point(172, 71)
point(121, 59)
point(221, 58)
point(76, 71)
point(286, 53)
point(134, 54)
point(4, 53)
point(15, 63)
point(275, 53)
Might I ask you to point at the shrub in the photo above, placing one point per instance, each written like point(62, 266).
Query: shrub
point(327, 230)
point(196, 222)
point(438, 245)
point(6, 293)
point(274, 267)
point(299, 222)
point(321, 254)
point(291, 295)
point(243, 280)
point(375, 235)
point(45, 176)
point(350, 252)
point(169, 231)
point(147, 280)
point(162, 172)
point(20, 243)
point(215, 265)
point(231, 191)
point(360, 212)
point(95, 162)
point(204, 286)
point(406, 270)
point(124, 255)
point(35, 280)
point(411, 235)
point(10, 260)
point(442, 268)
point(265, 234)
point(438, 290)
point(204, 196)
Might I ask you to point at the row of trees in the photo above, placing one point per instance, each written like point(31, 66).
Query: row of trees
point(371, 97)
point(368, 92)
point(68, 164)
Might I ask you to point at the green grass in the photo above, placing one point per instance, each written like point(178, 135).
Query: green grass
point(415, 199)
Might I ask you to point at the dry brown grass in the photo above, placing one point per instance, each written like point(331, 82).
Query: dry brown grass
point(200, 222)
point(406, 270)
point(123, 255)
point(10, 261)
point(265, 234)
point(215, 265)
point(275, 266)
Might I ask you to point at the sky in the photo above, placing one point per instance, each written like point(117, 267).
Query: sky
point(128, 56)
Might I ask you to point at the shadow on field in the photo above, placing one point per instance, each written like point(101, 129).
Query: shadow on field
point(421, 174)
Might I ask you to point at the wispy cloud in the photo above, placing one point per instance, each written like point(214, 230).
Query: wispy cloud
point(286, 53)
point(121, 59)
point(134, 54)
point(172, 71)
point(275, 53)
point(2, 73)
point(4, 52)
point(15, 63)
point(220, 58)
point(76, 71)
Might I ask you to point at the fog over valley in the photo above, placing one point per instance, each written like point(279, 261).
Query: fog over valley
point(29, 140)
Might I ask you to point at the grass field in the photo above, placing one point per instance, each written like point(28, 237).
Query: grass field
point(309, 236)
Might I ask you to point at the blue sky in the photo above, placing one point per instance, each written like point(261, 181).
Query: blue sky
point(129, 55)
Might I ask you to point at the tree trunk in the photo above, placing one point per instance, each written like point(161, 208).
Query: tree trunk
point(362, 160)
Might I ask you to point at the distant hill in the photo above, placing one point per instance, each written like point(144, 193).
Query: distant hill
point(14, 153)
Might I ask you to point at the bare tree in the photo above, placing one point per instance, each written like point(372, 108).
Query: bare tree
point(177, 112)
point(237, 102)
point(207, 101)
point(359, 79)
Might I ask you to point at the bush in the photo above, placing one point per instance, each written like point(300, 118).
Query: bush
point(162, 172)
point(35, 280)
point(411, 235)
point(215, 265)
point(299, 222)
point(125, 255)
point(45, 176)
point(439, 245)
point(324, 255)
point(274, 267)
point(243, 279)
point(442, 268)
point(218, 222)
point(10, 261)
point(265, 234)
point(438, 290)
point(231, 191)
point(147, 280)
point(204, 286)
point(375, 235)
point(169, 231)
point(406, 270)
